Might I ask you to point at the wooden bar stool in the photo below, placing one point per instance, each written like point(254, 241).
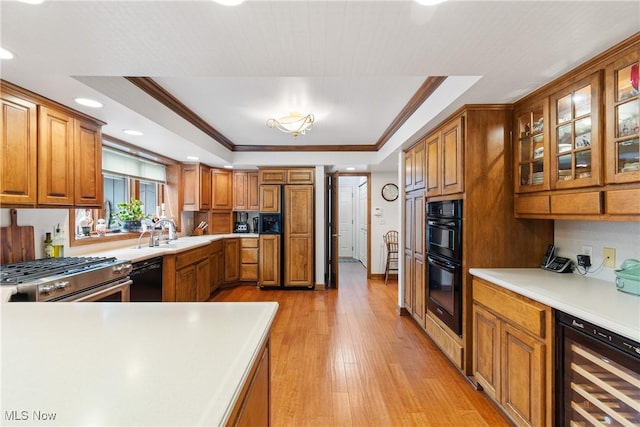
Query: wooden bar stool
point(391, 241)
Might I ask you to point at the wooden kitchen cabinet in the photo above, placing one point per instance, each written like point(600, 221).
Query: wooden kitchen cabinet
point(575, 132)
point(216, 263)
point(89, 185)
point(588, 169)
point(254, 403)
point(269, 260)
point(249, 259)
point(432, 164)
point(622, 103)
point(272, 176)
point(55, 157)
point(415, 302)
point(531, 147)
point(415, 167)
point(298, 235)
point(245, 191)
point(192, 275)
point(300, 176)
point(270, 198)
point(51, 155)
point(286, 176)
point(197, 187)
point(18, 162)
point(445, 159)
point(231, 260)
point(469, 156)
point(512, 352)
point(222, 190)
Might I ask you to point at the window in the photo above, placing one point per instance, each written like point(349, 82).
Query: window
point(125, 177)
point(115, 191)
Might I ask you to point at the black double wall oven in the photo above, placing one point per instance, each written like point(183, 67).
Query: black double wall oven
point(444, 262)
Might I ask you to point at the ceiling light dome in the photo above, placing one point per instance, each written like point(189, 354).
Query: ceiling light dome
point(295, 123)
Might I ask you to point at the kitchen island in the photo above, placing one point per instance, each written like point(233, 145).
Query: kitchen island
point(108, 364)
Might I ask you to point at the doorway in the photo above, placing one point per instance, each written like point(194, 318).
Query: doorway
point(348, 240)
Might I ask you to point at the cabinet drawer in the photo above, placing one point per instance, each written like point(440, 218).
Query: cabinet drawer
point(190, 257)
point(249, 255)
point(513, 308)
point(300, 176)
point(249, 242)
point(532, 204)
point(623, 202)
point(577, 203)
point(249, 272)
point(272, 176)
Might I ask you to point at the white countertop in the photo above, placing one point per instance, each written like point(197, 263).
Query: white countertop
point(593, 300)
point(128, 364)
point(134, 254)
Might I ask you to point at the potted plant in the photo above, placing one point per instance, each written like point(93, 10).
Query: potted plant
point(131, 215)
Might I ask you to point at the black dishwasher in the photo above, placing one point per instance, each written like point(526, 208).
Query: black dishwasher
point(147, 280)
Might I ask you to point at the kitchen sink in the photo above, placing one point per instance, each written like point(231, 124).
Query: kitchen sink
point(161, 246)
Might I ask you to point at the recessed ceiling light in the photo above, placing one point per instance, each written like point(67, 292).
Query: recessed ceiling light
point(31, 1)
point(88, 102)
point(229, 2)
point(228, 166)
point(351, 169)
point(133, 132)
point(192, 158)
point(5, 54)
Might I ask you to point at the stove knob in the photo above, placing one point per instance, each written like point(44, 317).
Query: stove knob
point(61, 285)
point(45, 289)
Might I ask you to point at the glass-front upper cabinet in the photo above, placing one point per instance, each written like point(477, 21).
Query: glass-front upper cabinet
point(532, 162)
point(623, 119)
point(575, 135)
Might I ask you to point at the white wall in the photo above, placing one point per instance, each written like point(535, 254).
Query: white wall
point(43, 221)
point(624, 237)
point(389, 220)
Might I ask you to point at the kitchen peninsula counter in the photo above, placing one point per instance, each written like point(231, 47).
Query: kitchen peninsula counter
point(593, 300)
point(129, 364)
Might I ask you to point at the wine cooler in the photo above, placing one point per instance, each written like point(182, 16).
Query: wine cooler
point(597, 375)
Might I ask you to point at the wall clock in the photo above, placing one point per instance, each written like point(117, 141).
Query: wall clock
point(390, 192)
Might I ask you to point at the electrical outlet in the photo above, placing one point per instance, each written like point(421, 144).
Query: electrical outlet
point(609, 255)
point(587, 250)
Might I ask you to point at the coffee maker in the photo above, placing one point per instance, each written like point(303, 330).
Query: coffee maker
point(241, 225)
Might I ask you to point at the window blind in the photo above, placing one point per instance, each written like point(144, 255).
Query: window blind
point(117, 163)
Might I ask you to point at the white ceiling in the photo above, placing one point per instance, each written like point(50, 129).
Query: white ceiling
point(354, 64)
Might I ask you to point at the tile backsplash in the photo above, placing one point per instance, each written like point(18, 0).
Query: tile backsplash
point(624, 237)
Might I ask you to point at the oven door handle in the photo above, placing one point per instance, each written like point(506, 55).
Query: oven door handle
point(443, 264)
point(118, 287)
point(440, 224)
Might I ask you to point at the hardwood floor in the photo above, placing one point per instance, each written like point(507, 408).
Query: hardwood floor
point(345, 358)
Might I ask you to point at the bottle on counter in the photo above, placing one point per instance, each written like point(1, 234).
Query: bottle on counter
point(48, 246)
point(58, 242)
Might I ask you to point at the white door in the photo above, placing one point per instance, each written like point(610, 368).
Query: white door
point(345, 212)
point(362, 223)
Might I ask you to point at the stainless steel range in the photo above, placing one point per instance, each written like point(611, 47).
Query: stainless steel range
point(69, 279)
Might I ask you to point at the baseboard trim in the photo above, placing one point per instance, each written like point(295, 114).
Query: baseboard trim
point(380, 276)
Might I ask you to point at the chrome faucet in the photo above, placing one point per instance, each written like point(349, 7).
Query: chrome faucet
point(172, 227)
point(150, 237)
